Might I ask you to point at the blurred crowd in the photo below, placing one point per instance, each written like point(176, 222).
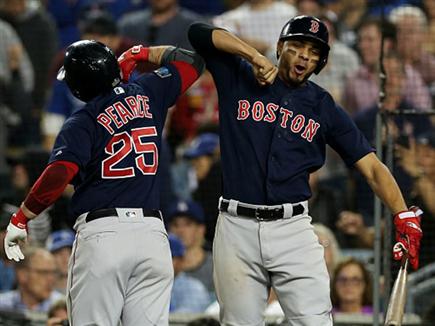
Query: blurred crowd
point(34, 105)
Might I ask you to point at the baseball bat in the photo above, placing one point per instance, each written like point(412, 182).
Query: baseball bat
point(396, 305)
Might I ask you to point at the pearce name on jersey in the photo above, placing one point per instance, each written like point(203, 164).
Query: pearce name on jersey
point(259, 111)
point(118, 115)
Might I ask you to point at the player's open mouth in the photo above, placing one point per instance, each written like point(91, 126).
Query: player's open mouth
point(299, 69)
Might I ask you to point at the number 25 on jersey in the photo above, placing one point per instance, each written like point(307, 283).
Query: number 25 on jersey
point(121, 145)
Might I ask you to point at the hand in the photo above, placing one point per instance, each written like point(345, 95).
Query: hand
point(265, 71)
point(408, 235)
point(407, 158)
point(15, 232)
point(128, 60)
point(350, 223)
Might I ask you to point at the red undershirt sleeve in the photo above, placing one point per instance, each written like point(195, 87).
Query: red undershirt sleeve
point(188, 74)
point(50, 185)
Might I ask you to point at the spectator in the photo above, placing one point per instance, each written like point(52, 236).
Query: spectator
point(60, 243)
point(205, 158)
point(418, 160)
point(39, 36)
point(429, 42)
point(257, 22)
point(309, 7)
point(326, 201)
point(57, 314)
point(412, 29)
point(186, 221)
point(351, 288)
point(188, 295)
point(7, 268)
point(196, 111)
point(164, 22)
point(362, 88)
point(350, 16)
point(354, 232)
point(99, 26)
point(26, 168)
point(36, 276)
point(399, 126)
point(16, 85)
point(343, 61)
point(328, 241)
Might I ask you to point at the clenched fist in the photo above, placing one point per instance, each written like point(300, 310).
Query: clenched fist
point(265, 71)
point(129, 59)
point(408, 235)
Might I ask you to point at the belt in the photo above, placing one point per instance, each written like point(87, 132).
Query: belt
point(105, 212)
point(261, 214)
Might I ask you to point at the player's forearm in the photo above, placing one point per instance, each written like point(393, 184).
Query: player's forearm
point(48, 188)
point(155, 54)
point(225, 41)
point(382, 182)
point(386, 188)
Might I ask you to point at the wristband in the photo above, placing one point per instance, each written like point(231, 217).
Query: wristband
point(19, 219)
point(140, 52)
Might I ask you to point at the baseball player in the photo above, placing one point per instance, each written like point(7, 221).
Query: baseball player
point(120, 267)
point(274, 125)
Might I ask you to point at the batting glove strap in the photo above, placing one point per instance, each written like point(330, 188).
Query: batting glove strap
point(19, 220)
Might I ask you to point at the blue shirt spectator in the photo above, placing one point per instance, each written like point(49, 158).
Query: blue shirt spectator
point(188, 294)
point(35, 279)
point(12, 300)
point(7, 276)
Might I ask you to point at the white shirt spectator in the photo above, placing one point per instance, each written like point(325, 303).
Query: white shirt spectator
point(260, 24)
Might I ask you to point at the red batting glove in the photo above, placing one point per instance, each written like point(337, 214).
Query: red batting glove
point(128, 60)
point(16, 231)
point(408, 234)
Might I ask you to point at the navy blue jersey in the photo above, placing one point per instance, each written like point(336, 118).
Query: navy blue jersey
point(115, 140)
point(273, 137)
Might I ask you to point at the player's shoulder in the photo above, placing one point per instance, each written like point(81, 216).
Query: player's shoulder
point(316, 91)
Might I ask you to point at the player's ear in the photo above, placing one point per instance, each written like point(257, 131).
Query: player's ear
point(279, 46)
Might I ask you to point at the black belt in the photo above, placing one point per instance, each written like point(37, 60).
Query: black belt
point(105, 212)
point(261, 214)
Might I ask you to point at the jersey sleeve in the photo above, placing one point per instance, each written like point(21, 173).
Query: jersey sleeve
point(164, 84)
point(75, 140)
point(343, 135)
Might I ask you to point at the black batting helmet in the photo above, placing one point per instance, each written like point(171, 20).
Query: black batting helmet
point(308, 27)
point(90, 68)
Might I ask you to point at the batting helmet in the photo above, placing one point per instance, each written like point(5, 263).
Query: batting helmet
point(308, 27)
point(90, 68)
